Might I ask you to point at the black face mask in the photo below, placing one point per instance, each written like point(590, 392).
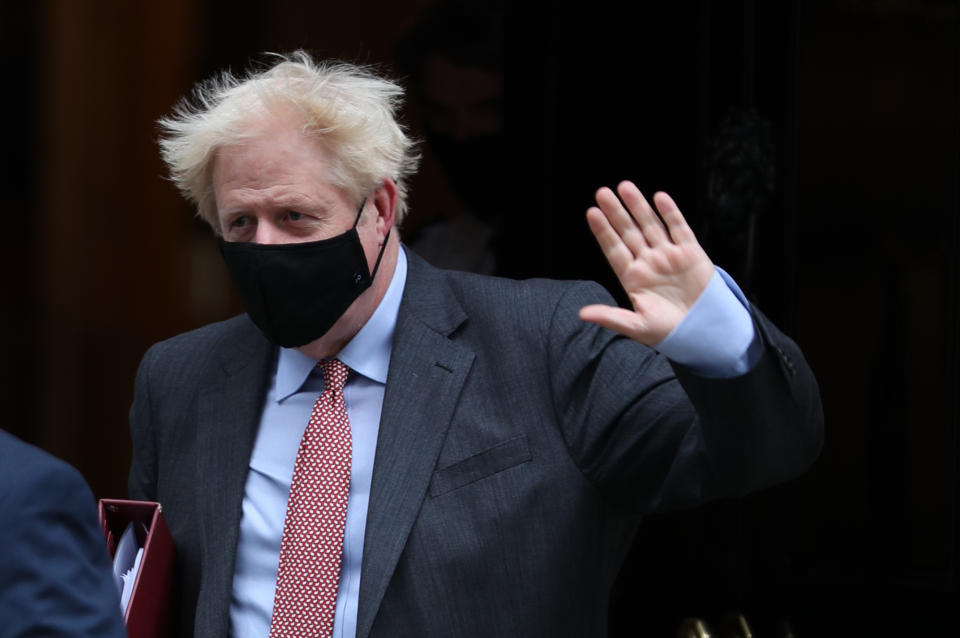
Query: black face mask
point(295, 292)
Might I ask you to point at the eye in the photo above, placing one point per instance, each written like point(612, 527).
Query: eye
point(239, 227)
point(239, 222)
point(295, 216)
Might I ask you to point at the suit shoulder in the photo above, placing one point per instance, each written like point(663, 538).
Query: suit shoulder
point(208, 336)
point(54, 568)
point(190, 353)
point(544, 293)
point(22, 463)
point(34, 480)
point(431, 286)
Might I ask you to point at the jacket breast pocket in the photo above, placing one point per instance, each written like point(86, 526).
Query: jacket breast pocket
point(500, 457)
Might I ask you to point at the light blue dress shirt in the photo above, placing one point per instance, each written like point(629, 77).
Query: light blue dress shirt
point(293, 389)
point(296, 384)
point(716, 338)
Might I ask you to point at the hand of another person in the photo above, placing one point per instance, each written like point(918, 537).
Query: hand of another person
point(660, 265)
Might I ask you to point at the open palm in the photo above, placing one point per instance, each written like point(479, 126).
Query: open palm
point(660, 264)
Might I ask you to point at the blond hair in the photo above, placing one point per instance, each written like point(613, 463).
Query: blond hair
point(350, 108)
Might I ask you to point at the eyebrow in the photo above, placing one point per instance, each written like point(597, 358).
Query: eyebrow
point(243, 205)
point(295, 200)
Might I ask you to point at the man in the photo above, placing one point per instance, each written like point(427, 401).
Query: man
point(453, 59)
point(55, 577)
point(495, 443)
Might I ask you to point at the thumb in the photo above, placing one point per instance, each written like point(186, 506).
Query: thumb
point(620, 320)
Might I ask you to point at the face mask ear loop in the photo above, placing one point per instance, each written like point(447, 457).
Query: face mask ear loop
point(383, 247)
point(360, 212)
point(380, 255)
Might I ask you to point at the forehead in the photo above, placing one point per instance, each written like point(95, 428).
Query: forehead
point(271, 149)
point(278, 164)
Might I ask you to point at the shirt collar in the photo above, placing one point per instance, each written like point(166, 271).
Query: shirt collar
point(368, 353)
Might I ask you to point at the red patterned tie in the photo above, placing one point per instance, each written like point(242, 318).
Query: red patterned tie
point(312, 543)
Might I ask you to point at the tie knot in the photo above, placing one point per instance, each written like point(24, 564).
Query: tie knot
point(335, 373)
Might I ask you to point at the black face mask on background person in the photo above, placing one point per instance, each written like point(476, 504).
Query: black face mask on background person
point(295, 292)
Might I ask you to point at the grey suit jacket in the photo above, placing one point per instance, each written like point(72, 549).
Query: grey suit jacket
point(518, 449)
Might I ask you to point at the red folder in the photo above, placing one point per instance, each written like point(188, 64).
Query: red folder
point(151, 603)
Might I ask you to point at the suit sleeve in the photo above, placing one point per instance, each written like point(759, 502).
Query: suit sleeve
point(656, 436)
point(55, 576)
point(142, 482)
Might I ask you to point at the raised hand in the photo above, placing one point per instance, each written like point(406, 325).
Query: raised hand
point(660, 265)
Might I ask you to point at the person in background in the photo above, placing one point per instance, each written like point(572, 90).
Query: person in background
point(453, 59)
point(55, 575)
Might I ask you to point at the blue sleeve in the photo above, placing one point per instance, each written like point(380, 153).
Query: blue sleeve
point(55, 574)
point(717, 338)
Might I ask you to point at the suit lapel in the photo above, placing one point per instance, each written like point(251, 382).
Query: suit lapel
point(229, 414)
point(427, 373)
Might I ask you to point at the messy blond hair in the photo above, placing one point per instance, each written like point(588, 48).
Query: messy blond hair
point(350, 108)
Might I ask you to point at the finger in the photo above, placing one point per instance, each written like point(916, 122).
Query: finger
point(650, 225)
point(679, 230)
point(620, 320)
point(612, 245)
point(621, 220)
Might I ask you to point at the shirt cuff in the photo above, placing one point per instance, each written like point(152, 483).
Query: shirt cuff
point(717, 337)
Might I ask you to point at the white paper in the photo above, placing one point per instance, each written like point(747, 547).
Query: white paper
point(129, 578)
point(125, 556)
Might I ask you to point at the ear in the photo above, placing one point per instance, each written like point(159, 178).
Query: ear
point(385, 202)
